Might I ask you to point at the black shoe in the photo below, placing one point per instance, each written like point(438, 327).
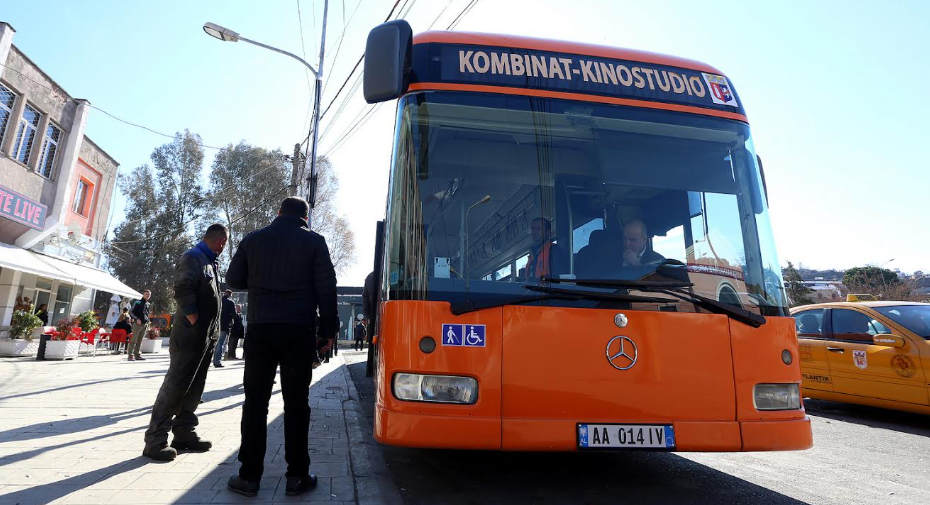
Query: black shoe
point(160, 453)
point(219, 365)
point(193, 445)
point(300, 485)
point(139, 358)
point(244, 487)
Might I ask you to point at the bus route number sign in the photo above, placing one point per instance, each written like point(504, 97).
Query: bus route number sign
point(464, 335)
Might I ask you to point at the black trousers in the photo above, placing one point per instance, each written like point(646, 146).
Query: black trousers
point(266, 347)
point(360, 344)
point(179, 396)
point(233, 344)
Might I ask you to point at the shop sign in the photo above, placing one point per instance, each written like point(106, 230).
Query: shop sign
point(17, 207)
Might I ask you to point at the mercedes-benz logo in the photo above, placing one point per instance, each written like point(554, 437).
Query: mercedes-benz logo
point(621, 353)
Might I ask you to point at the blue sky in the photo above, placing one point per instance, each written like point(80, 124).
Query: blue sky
point(835, 93)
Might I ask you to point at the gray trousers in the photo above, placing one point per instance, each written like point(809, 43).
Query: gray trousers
point(180, 393)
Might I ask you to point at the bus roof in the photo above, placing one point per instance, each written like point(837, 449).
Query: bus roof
point(561, 46)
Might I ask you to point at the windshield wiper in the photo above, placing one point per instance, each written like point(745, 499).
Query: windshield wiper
point(676, 289)
point(553, 293)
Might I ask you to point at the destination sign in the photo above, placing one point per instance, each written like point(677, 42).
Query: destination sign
point(18, 208)
point(525, 68)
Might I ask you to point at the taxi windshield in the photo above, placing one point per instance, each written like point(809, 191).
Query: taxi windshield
point(916, 318)
point(490, 193)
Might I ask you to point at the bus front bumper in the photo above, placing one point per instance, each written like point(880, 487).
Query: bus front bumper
point(469, 432)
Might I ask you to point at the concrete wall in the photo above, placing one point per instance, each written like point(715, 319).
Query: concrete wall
point(101, 162)
point(32, 86)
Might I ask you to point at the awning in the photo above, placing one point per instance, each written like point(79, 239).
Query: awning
point(24, 260)
point(90, 277)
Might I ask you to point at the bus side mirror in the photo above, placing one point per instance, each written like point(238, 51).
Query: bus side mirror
point(387, 61)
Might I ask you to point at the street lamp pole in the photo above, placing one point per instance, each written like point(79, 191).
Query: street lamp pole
point(225, 34)
point(317, 92)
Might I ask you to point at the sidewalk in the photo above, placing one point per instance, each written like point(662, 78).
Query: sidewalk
point(71, 432)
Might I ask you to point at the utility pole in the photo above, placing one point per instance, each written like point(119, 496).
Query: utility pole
point(317, 91)
point(292, 189)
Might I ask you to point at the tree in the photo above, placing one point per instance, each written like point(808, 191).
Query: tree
point(162, 205)
point(246, 185)
point(879, 281)
point(798, 293)
point(334, 227)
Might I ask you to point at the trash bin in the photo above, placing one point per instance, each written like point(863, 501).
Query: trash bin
point(40, 355)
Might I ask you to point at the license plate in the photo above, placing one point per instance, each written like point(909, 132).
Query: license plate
point(626, 436)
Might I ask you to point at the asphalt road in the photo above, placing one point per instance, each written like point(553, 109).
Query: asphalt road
point(861, 455)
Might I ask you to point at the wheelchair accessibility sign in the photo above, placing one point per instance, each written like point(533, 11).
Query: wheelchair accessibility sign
point(464, 335)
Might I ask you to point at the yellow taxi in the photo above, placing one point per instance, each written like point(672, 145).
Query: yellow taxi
point(864, 351)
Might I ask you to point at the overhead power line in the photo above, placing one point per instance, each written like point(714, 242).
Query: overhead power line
point(130, 123)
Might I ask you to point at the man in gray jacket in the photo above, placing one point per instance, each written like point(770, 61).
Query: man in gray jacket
point(193, 337)
point(290, 278)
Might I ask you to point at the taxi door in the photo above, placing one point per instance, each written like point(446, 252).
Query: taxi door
point(812, 349)
point(859, 367)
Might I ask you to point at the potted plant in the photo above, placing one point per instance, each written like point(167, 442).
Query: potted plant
point(88, 322)
point(20, 341)
point(65, 342)
point(151, 344)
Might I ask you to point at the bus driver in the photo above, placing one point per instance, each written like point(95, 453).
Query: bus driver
point(636, 251)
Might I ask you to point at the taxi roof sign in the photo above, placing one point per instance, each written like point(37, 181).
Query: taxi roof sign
point(861, 298)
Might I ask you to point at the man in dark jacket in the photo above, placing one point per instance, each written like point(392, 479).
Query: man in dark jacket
point(140, 325)
point(360, 333)
point(290, 279)
point(226, 322)
point(193, 335)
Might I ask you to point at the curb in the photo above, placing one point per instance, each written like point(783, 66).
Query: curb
point(373, 482)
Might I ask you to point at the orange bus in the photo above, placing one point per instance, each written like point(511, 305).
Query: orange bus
point(576, 253)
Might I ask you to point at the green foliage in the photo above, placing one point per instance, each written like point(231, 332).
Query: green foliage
point(869, 276)
point(87, 320)
point(163, 204)
point(23, 324)
point(798, 293)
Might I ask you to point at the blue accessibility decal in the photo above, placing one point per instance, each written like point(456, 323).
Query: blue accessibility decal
point(452, 334)
point(474, 335)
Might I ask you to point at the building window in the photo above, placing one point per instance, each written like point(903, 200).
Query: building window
point(7, 98)
point(49, 150)
point(26, 134)
point(81, 194)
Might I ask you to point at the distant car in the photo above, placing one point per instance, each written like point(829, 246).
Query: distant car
point(866, 352)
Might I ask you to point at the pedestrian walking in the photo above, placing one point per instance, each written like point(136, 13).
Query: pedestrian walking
point(236, 332)
point(360, 333)
point(140, 325)
point(289, 275)
point(226, 322)
point(193, 337)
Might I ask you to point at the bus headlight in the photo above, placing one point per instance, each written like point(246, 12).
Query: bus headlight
point(435, 388)
point(777, 396)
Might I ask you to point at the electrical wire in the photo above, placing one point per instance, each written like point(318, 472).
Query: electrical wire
point(303, 47)
point(130, 123)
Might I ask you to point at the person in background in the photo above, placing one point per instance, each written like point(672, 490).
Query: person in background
point(289, 275)
point(140, 326)
point(226, 320)
point(193, 335)
point(236, 332)
point(360, 333)
point(42, 314)
point(546, 258)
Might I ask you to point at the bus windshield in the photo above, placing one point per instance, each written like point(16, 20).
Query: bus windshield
point(491, 193)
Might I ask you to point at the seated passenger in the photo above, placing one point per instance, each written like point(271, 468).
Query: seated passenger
point(546, 258)
point(594, 257)
point(636, 251)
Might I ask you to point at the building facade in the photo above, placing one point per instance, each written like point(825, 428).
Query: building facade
point(56, 194)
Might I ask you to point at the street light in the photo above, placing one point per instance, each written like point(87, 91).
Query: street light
point(225, 34)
